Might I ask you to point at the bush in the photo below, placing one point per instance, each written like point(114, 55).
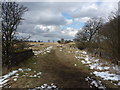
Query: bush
point(81, 45)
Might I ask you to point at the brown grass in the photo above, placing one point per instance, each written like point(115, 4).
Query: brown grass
point(57, 67)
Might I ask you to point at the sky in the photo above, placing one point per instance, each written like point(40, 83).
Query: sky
point(55, 20)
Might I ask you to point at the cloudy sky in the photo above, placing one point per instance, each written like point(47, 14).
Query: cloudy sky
point(54, 20)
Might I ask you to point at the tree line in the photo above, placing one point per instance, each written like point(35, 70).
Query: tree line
point(99, 35)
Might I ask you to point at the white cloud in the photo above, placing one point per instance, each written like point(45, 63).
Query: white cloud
point(69, 31)
point(41, 28)
point(22, 35)
point(46, 29)
point(84, 19)
point(45, 17)
point(66, 0)
point(52, 32)
point(94, 9)
point(69, 21)
point(44, 20)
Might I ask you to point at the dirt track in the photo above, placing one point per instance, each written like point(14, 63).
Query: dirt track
point(53, 63)
point(57, 67)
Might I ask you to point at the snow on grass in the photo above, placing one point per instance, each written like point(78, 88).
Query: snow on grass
point(107, 76)
point(49, 48)
point(37, 75)
point(116, 68)
point(3, 79)
point(34, 63)
point(84, 52)
point(15, 79)
point(118, 83)
point(95, 60)
point(48, 51)
point(83, 62)
point(77, 57)
point(46, 87)
point(94, 63)
point(37, 52)
point(44, 51)
point(75, 65)
point(87, 59)
point(69, 52)
point(13, 75)
point(28, 69)
point(95, 83)
point(77, 52)
point(61, 49)
point(98, 66)
point(100, 69)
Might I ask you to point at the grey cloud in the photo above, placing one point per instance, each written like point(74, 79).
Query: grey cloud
point(50, 14)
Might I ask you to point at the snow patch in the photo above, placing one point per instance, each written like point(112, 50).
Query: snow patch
point(107, 76)
point(45, 87)
point(3, 79)
point(95, 83)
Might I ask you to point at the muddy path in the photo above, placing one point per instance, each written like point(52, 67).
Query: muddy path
point(58, 66)
point(64, 75)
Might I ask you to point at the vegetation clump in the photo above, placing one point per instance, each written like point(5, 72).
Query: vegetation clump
point(100, 37)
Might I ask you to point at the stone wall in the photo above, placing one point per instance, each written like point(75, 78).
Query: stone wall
point(19, 57)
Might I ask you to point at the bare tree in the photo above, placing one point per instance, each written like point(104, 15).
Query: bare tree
point(110, 35)
point(11, 18)
point(92, 27)
point(89, 33)
point(100, 36)
point(81, 36)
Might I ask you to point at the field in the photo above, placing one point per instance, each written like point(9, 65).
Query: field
point(61, 66)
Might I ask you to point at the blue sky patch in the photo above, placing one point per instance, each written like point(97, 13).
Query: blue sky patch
point(66, 15)
point(74, 25)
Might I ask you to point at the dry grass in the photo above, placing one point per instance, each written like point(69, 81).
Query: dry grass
point(57, 67)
